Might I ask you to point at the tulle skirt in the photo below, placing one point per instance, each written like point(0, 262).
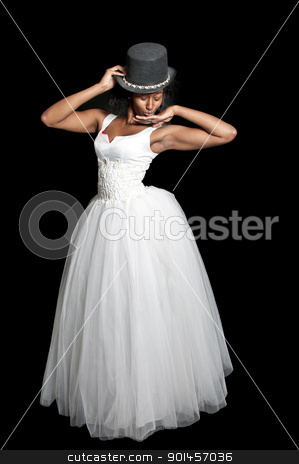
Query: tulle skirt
point(137, 342)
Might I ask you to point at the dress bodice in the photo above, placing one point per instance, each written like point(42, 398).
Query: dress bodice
point(122, 163)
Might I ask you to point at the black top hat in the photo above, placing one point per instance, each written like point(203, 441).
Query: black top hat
point(147, 69)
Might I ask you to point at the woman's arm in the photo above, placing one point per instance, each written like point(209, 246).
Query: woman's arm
point(61, 115)
point(212, 131)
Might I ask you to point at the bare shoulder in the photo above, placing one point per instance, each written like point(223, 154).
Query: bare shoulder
point(162, 137)
point(99, 115)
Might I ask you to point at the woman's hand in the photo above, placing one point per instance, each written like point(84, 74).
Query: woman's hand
point(157, 120)
point(108, 81)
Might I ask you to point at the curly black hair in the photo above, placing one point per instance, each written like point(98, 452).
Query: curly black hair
point(118, 101)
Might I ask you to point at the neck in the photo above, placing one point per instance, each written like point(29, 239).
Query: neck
point(130, 116)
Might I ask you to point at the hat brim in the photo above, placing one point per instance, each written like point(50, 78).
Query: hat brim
point(171, 73)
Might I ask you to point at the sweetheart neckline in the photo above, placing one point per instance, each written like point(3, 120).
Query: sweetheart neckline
point(122, 136)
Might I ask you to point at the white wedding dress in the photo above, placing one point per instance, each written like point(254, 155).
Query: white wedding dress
point(137, 342)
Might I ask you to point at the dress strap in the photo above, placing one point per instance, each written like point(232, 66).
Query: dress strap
point(107, 121)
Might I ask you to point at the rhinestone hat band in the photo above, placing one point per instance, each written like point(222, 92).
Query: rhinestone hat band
point(146, 87)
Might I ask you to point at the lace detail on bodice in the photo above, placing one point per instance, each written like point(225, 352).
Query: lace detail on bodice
point(119, 180)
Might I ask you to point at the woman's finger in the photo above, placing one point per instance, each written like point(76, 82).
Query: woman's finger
point(148, 118)
point(141, 121)
point(118, 69)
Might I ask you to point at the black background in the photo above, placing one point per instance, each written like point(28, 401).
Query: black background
point(214, 46)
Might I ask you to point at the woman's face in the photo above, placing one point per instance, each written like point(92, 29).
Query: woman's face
point(146, 104)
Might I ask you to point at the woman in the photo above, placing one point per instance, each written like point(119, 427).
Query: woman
point(137, 342)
